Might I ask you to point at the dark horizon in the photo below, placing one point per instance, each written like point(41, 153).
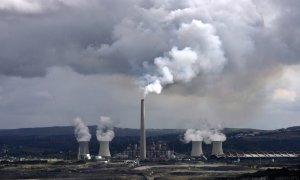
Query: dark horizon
point(238, 128)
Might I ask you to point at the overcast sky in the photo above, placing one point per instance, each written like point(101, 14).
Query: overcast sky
point(221, 63)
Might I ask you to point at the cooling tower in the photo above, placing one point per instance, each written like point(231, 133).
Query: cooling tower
point(83, 151)
point(196, 149)
point(143, 132)
point(217, 148)
point(104, 149)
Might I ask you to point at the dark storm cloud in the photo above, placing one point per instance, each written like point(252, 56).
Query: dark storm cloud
point(59, 35)
point(117, 37)
point(240, 48)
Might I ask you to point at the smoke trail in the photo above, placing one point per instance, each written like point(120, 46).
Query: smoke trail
point(105, 129)
point(201, 53)
point(207, 135)
point(81, 130)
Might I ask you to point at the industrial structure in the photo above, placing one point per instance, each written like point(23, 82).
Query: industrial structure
point(256, 155)
point(217, 149)
point(196, 149)
point(155, 151)
point(83, 151)
point(159, 150)
point(142, 132)
point(104, 149)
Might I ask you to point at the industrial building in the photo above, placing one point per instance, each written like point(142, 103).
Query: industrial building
point(196, 149)
point(104, 152)
point(83, 151)
point(217, 149)
point(155, 151)
point(255, 154)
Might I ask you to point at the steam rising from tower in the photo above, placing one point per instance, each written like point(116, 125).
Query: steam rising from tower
point(196, 136)
point(208, 136)
point(217, 139)
point(83, 137)
point(105, 134)
point(105, 129)
point(193, 135)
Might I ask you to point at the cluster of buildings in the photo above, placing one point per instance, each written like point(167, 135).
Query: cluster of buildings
point(156, 151)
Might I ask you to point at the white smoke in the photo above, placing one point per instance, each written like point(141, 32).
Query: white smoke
point(81, 130)
point(105, 130)
point(215, 135)
point(201, 52)
point(207, 135)
point(193, 135)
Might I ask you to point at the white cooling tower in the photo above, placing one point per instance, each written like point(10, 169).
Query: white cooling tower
point(196, 149)
point(83, 151)
point(143, 132)
point(217, 148)
point(104, 149)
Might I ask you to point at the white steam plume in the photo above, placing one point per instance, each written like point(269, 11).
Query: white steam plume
point(192, 135)
point(215, 135)
point(198, 50)
point(105, 130)
point(203, 135)
point(81, 130)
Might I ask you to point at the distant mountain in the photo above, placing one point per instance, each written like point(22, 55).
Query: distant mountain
point(69, 130)
point(41, 131)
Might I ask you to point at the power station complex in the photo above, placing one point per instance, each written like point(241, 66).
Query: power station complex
point(160, 151)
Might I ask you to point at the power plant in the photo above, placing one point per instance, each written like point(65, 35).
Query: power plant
point(104, 149)
point(217, 149)
point(142, 132)
point(158, 150)
point(130, 159)
point(196, 149)
point(83, 151)
point(155, 151)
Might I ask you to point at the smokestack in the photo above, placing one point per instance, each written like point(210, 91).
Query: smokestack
point(83, 151)
point(217, 149)
point(196, 149)
point(143, 132)
point(104, 149)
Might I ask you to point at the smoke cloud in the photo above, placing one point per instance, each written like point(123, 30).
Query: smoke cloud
point(217, 55)
point(105, 130)
point(215, 135)
point(202, 53)
point(207, 136)
point(81, 130)
point(193, 135)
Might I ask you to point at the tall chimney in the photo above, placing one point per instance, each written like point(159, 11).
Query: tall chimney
point(196, 149)
point(217, 148)
point(143, 132)
point(104, 149)
point(83, 151)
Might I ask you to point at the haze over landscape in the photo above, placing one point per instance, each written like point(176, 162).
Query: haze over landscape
point(214, 64)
